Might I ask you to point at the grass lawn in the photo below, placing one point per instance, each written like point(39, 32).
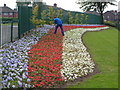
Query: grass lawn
point(103, 47)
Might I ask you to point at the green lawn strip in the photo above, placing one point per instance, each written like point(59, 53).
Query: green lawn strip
point(10, 24)
point(103, 47)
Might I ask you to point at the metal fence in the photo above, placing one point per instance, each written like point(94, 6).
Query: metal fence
point(8, 32)
point(24, 15)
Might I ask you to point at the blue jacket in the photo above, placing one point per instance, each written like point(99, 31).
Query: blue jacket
point(57, 21)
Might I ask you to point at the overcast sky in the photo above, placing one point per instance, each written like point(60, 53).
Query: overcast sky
point(65, 4)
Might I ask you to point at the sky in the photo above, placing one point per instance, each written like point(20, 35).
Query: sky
point(65, 4)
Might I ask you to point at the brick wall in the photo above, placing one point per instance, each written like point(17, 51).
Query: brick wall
point(9, 15)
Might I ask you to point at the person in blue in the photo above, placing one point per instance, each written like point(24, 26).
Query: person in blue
point(58, 23)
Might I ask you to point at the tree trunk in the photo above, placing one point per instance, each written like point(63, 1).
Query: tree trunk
point(102, 20)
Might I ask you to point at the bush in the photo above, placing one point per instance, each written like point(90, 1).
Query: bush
point(110, 23)
point(8, 20)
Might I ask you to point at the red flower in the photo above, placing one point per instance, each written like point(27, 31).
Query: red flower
point(45, 58)
point(42, 82)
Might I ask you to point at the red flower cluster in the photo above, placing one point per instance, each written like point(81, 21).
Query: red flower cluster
point(45, 60)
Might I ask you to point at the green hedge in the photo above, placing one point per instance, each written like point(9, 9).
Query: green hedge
point(113, 24)
point(8, 20)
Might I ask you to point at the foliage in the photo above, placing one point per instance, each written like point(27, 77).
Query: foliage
point(43, 16)
point(59, 12)
point(51, 14)
point(76, 19)
point(111, 23)
point(86, 19)
point(70, 18)
point(87, 5)
point(34, 19)
point(82, 18)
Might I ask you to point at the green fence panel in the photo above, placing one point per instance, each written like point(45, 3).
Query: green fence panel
point(24, 15)
point(94, 19)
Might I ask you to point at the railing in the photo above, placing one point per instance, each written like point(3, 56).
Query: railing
point(8, 30)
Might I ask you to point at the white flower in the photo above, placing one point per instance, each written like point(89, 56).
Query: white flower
point(76, 60)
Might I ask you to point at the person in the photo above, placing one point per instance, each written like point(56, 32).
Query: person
point(58, 23)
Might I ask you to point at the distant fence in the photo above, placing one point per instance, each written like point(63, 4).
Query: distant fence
point(25, 13)
point(8, 31)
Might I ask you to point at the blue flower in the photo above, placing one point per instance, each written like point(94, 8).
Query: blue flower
point(26, 73)
point(13, 86)
point(9, 78)
point(0, 65)
point(20, 84)
point(29, 86)
point(28, 80)
point(5, 76)
point(8, 85)
point(24, 76)
point(4, 64)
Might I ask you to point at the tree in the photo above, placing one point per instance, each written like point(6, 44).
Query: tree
point(34, 18)
point(86, 19)
point(97, 6)
point(43, 16)
point(70, 18)
point(51, 15)
point(59, 15)
point(82, 18)
point(76, 19)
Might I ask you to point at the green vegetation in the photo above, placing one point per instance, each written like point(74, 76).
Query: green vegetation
point(103, 47)
point(59, 13)
point(95, 6)
point(51, 15)
point(70, 18)
point(76, 19)
point(34, 19)
point(110, 23)
point(10, 23)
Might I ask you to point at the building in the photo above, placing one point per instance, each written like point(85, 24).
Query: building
point(119, 16)
point(119, 6)
point(8, 12)
point(111, 15)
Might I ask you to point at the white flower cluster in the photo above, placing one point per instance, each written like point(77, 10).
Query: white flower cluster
point(14, 59)
point(76, 60)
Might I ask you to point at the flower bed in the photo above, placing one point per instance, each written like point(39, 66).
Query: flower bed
point(45, 60)
point(76, 60)
point(14, 59)
point(54, 65)
point(47, 63)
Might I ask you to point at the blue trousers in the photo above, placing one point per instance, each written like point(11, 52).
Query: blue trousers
point(56, 27)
